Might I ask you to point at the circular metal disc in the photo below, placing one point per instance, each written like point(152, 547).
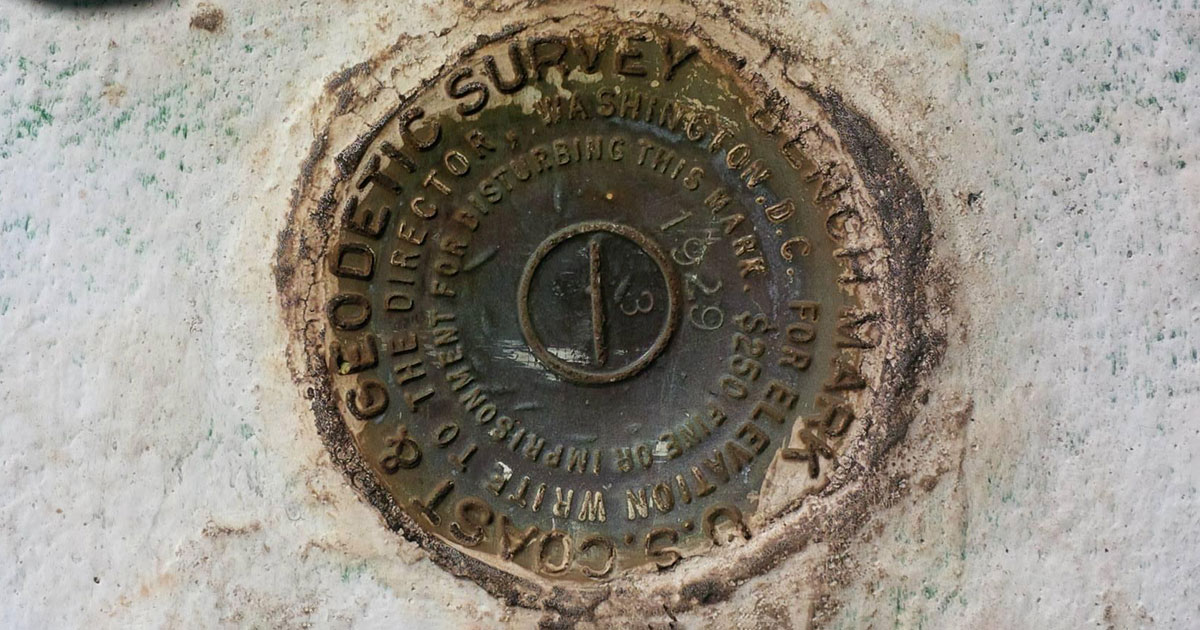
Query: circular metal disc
point(593, 306)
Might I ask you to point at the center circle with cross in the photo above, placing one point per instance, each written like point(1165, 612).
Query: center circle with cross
point(598, 301)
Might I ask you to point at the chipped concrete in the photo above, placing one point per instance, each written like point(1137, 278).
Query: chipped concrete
point(161, 469)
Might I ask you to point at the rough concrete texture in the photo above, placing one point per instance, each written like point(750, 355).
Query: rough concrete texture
point(159, 467)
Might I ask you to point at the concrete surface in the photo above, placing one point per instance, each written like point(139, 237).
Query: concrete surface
point(158, 467)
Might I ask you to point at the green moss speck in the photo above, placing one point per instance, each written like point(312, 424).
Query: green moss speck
point(354, 571)
point(71, 70)
point(24, 224)
point(158, 122)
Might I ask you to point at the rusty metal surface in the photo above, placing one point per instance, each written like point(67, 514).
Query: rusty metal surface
point(570, 327)
point(602, 307)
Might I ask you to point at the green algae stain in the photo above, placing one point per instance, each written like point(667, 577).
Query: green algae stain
point(121, 119)
point(158, 122)
point(72, 70)
point(1180, 75)
point(24, 224)
point(30, 125)
point(353, 571)
point(185, 256)
point(43, 115)
point(122, 237)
